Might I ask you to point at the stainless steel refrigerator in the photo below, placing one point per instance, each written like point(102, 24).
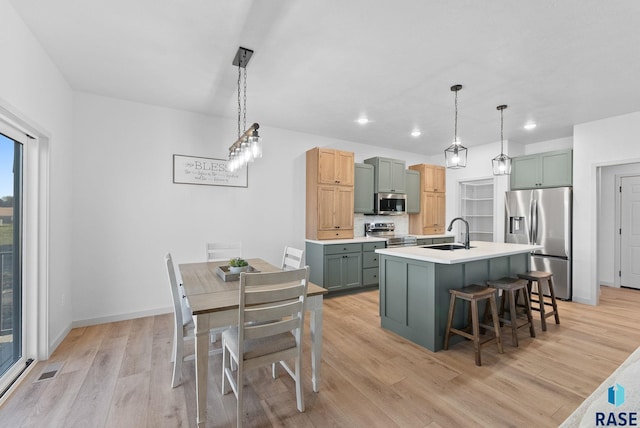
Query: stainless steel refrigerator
point(543, 217)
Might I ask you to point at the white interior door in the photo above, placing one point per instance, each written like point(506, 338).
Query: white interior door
point(630, 232)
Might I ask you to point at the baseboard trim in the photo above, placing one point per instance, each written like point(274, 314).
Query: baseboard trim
point(54, 345)
point(121, 317)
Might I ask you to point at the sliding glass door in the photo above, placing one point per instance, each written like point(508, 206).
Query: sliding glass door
point(11, 343)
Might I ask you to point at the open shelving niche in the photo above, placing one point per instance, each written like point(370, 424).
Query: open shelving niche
point(477, 207)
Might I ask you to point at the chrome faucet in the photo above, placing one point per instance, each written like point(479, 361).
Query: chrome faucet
point(467, 245)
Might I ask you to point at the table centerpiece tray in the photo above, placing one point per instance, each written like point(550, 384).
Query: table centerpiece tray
point(226, 275)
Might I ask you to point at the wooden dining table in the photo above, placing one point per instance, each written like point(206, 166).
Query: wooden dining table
point(214, 303)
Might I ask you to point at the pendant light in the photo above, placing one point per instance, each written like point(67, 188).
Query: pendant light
point(455, 156)
point(502, 162)
point(248, 146)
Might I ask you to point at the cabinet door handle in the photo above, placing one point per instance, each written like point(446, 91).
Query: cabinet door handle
point(375, 260)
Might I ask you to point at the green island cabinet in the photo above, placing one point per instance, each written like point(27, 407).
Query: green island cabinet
point(339, 267)
point(389, 175)
point(548, 169)
point(363, 188)
point(412, 181)
point(415, 298)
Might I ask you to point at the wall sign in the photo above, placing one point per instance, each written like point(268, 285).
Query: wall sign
point(209, 171)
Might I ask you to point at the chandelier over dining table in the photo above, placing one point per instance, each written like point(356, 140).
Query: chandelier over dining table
point(248, 146)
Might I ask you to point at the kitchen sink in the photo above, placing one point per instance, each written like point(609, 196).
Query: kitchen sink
point(449, 247)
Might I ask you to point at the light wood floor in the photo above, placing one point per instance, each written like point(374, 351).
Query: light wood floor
point(119, 374)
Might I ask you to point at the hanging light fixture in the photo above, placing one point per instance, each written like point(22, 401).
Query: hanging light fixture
point(455, 156)
point(248, 146)
point(502, 162)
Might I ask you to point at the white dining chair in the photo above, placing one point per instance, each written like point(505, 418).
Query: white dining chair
point(184, 329)
point(270, 329)
point(292, 258)
point(220, 251)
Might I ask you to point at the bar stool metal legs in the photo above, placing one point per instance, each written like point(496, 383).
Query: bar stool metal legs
point(539, 277)
point(473, 294)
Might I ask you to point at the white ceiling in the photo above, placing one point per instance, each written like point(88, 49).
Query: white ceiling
point(320, 64)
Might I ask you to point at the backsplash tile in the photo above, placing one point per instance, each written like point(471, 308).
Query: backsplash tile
point(401, 221)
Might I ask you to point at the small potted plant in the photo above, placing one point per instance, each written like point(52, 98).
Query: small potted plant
point(237, 265)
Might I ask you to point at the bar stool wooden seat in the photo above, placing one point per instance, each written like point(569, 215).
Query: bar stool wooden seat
point(473, 294)
point(539, 277)
point(511, 287)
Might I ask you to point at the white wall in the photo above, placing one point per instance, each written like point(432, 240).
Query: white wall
point(478, 167)
point(128, 212)
point(32, 87)
point(596, 144)
point(608, 251)
point(549, 145)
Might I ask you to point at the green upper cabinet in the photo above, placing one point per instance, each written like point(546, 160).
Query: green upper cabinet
point(363, 188)
point(549, 169)
point(413, 191)
point(389, 175)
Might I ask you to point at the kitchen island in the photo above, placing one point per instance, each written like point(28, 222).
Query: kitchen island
point(415, 283)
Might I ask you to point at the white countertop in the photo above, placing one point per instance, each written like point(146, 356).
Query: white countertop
point(356, 240)
point(359, 239)
point(482, 250)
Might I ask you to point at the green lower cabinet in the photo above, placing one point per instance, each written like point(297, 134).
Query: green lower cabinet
point(370, 263)
point(338, 267)
point(370, 277)
point(343, 271)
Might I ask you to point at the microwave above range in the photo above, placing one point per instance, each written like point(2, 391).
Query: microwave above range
point(390, 203)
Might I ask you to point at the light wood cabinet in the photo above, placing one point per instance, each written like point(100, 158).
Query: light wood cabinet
point(431, 218)
point(432, 213)
point(433, 178)
point(329, 198)
point(335, 167)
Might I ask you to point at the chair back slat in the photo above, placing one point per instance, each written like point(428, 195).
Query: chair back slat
point(221, 251)
point(258, 331)
point(270, 312)
point(292, 258)
point(259, 295)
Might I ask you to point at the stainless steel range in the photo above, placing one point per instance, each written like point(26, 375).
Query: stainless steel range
point(387, 231)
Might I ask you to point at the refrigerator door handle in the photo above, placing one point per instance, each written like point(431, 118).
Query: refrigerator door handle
point(534, 222)
point(531, 207)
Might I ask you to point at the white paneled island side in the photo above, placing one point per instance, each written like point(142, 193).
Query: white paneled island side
point(415, 283)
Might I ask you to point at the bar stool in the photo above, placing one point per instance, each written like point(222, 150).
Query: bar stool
point(473, 294)
point(538, 277)
point(511, 287)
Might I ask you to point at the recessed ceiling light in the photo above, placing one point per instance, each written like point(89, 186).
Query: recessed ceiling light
point(529, 126)
point(362, 120)
point(416, 133)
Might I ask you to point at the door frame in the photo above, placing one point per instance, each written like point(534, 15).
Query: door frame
point(618, 224)
point(35, 241)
